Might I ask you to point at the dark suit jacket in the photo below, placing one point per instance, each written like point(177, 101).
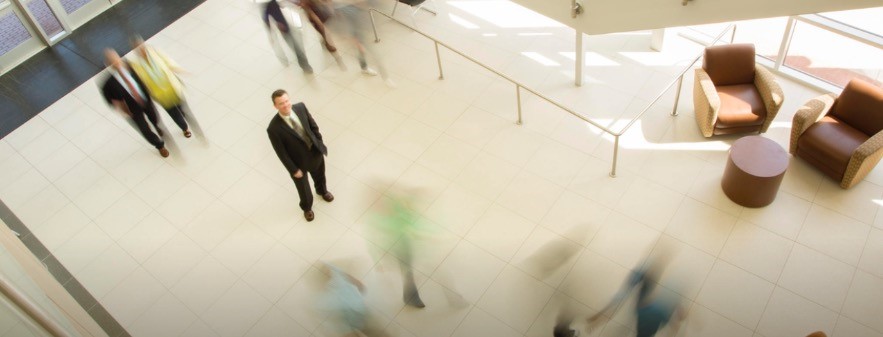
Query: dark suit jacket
point(290, 147)
point(113, 90)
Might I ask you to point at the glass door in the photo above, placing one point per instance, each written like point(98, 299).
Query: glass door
point(45, 17)
point(18, 40)
point(77, 12)
point(28, 26)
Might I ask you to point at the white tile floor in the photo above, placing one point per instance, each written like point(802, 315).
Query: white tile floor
point(210, 242)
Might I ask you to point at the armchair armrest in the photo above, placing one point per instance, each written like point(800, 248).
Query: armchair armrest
point(807, 115)
point(863, 160)
point(706, 102)
point(770, 92)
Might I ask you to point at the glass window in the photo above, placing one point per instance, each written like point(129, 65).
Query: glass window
point(71, 6)
point(766, 34)
point(704, 34)
point(12, 32)
point(865, 19)
point(833, 57)
point(45, 17)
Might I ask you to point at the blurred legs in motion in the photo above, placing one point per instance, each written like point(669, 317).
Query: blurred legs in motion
point(273, 17)
point(562, 324)
point(352, 22)
point(654, 309)
point(319, 12)
point(410, 295)
point(343, 300)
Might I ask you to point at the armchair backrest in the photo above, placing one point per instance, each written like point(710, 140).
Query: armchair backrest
point(861, 106)
point(730, 64)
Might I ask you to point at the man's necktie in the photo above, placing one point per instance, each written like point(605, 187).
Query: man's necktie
point(132, 89)
point(300, 130)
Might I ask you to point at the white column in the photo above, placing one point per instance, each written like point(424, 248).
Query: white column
point(578, 74)
point(656, 39)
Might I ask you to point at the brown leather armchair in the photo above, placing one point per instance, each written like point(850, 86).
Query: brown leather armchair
point(841, 136)
point(732, 95)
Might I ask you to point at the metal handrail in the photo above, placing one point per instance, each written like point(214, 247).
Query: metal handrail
point(519, 86)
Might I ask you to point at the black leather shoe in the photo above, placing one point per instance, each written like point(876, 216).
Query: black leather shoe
point(415, 301)
point(309, 215)
point(328, 196)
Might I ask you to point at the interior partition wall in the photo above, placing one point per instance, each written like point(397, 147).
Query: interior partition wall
point(32, 302)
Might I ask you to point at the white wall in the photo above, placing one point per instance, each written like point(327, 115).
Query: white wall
point(609, 16)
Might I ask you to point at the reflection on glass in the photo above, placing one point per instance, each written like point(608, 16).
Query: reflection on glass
point(766, 34)
point(12, 32)
point(864, 19)
point(72, 5)
point(45, 17)
point(832, 57)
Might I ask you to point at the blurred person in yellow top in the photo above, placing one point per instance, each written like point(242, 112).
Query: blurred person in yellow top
point(160, 75)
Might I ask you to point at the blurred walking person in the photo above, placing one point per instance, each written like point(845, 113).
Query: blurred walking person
point(398, 224)
point(548, 260)
point(343, 300)
point(127, 93)
point(654, 311)
point(319, 12)
point(273, 17)
point(160, 76)
point(351, 21)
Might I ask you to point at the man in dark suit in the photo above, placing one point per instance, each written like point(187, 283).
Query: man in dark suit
point(298, 143)
point(128, 94)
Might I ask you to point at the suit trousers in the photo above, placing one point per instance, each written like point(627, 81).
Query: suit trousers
point(303, 184)
point(141, 122)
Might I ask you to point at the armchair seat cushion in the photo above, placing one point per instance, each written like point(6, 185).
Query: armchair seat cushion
point(741, 106)
point(829, 144)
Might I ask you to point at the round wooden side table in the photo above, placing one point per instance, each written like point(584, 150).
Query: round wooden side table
point(755, 168)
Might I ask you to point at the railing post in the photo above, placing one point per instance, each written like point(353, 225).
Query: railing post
point(615, 155)
point(674, 110)
point(373, 25)
point(441, 74)
point(518, 98)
